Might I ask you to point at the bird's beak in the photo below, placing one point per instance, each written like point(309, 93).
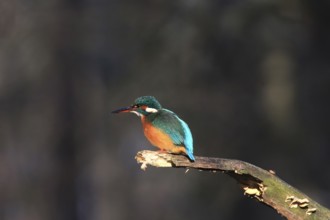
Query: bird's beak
point(125, 109)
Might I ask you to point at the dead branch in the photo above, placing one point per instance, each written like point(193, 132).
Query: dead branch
point(257, 183)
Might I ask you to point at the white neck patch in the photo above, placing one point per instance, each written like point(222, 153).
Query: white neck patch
point(151, 110)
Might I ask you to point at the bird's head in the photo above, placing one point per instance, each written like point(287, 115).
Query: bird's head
point(142, 106)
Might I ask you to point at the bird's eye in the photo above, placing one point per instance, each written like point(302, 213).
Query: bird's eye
point(136, 106)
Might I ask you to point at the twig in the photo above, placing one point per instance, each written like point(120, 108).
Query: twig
point(257, 183)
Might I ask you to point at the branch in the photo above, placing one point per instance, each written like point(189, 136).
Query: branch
point(257, 183)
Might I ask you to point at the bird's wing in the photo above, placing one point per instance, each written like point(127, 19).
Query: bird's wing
point(176, 128)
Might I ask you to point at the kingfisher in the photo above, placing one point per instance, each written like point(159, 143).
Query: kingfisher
point(162, 127)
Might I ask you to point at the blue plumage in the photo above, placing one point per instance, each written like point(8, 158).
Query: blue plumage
point(187, 140)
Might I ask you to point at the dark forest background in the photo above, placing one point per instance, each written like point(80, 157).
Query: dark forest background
point(251, 78)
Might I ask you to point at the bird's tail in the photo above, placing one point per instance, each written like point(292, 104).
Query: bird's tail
point(190, 155)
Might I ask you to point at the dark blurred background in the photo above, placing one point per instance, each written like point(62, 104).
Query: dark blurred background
point(251, 78)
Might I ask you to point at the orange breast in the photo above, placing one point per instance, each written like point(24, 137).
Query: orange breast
point(157, 137)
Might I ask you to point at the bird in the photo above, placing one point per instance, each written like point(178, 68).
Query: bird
point(162, 127)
